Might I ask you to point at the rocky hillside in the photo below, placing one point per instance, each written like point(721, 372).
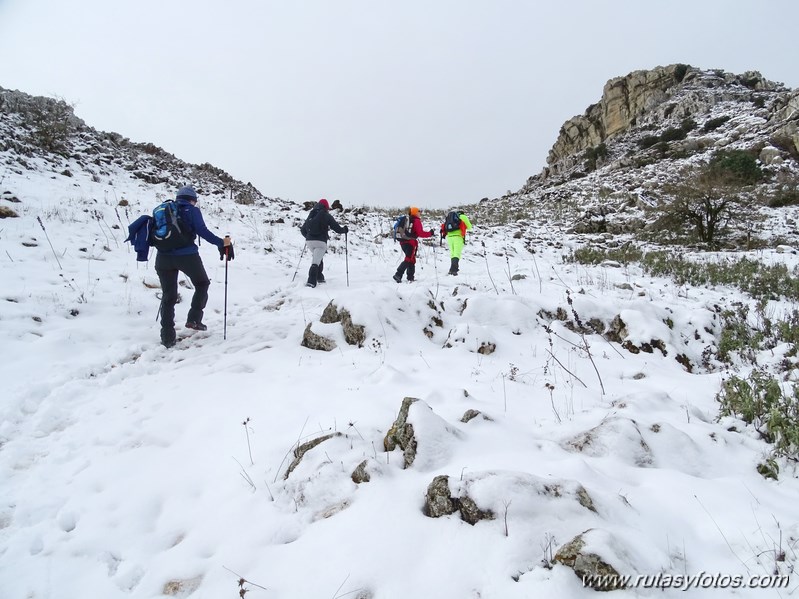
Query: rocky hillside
point(608, 171)
point(567, 425)
point(610, 165)
point(45, 131)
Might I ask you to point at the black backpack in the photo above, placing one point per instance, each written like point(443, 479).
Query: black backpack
point(314, 224)
point(453, 221)
point(169, 232)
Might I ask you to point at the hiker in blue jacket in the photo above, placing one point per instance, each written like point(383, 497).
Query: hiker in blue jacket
point(186, 259)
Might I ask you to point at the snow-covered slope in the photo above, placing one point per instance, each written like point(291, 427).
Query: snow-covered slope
point(254, 463)
point(128, 470)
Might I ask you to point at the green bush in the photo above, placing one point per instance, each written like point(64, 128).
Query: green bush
point(673, 134)
point(739, 163)
point(761, 281)
point(784, 197)
point(761, 402)
point(788, 332)
point(647, 141)
point(713, 124)
point(737, 337)
point(592, 255)
point(591, 156)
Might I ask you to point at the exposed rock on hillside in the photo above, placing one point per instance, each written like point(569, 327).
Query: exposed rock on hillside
point(644, 100)
point(36, 127)
point(610, 168)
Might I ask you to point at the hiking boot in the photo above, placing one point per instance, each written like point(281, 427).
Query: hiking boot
point(197, 326)
point(397, 278)
point(453, 269)
point(313, 275)
point(320, 278)
point(168, 337)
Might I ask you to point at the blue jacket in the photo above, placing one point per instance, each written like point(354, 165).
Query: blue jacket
point(192, 216)
point(139, 236)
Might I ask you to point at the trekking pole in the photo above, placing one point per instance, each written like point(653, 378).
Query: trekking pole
point(346, 259)
point(227, 259)
point(298, 263)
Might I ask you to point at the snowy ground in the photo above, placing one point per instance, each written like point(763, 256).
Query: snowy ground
point(129, 470)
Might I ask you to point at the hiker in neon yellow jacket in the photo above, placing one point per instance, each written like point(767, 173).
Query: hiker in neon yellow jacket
point(454, 229)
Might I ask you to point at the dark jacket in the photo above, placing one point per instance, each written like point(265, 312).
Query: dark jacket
point(139, 236)
point(191, 216)
point(318, 224)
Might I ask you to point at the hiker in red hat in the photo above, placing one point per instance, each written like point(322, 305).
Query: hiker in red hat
point(316, 229)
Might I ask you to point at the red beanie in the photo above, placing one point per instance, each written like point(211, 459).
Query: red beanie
point(325, 204)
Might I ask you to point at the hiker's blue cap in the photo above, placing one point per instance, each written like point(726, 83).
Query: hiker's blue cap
point(186, 193)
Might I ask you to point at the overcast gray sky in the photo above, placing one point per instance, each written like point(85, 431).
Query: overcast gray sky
point(374, 102)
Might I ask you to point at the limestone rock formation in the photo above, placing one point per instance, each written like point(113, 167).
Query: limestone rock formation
point(590, 567)
point(313, 341)
point(424, 437)
point(354, 334)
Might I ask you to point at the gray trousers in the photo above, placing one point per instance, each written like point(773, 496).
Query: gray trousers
point(318, 250)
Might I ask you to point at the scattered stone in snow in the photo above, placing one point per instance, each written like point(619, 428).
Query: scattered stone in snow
point(472, 414)
point(301, 450)
point(589, 567)
point(354, 334)
point(610, 264)
point(360, 474)
point(401, 433)
point(313, 341)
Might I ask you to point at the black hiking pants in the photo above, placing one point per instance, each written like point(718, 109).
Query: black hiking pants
point(168, 268)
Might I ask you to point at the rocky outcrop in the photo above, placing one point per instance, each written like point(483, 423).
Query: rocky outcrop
point(787, 120)
point(301, 450)
point(507, 495)
point(6, 212)
point(401, 434)
point(623, 99)
point(354, 334)
point(592, 569)
point(658, 98)
point(440, 502)
point(313, 341)
point(471, 414)
point(424, 437)
point(361, 474)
